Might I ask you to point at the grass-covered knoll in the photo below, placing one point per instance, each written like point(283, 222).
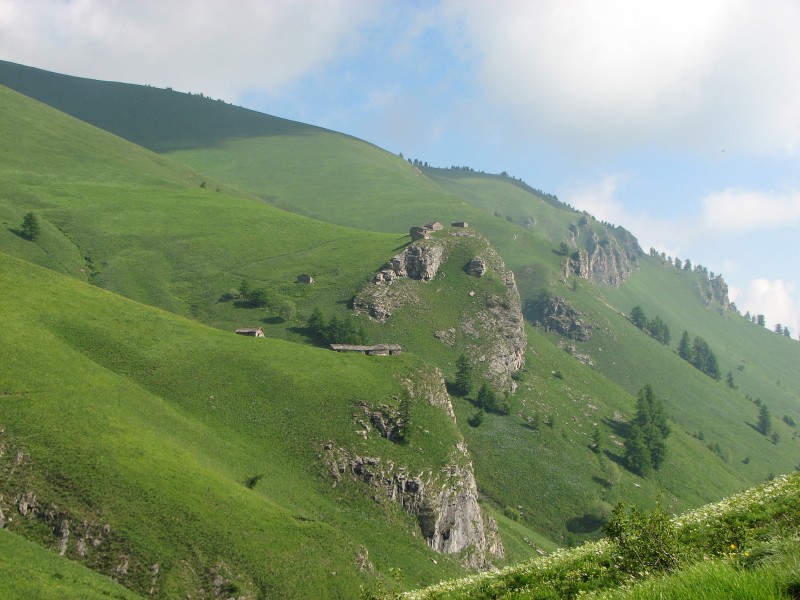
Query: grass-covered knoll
point(722, 550)
point(116, 414)
point(29, 571)
point(509, 200)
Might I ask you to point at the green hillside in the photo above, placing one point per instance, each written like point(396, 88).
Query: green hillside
point(131, 411)
point(126, 219)
point(29, 571)
point(141, 429)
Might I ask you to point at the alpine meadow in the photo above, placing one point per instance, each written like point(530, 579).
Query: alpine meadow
point(523, 402)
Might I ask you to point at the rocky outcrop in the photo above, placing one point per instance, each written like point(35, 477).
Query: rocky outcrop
point(606, 261)
point(491, 331)
point(388, 290)
point(476, 267)
point(555, 314)
point(718, 292)
point(444, 501)
point(497, 328)
point(418, 261)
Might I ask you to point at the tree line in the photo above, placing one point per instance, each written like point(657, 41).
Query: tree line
point(656, 327)
point(336, 330)
point(699, 354)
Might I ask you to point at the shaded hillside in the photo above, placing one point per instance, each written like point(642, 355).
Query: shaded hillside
point(159, 119)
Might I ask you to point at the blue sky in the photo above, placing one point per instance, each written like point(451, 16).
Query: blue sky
point(679, 119)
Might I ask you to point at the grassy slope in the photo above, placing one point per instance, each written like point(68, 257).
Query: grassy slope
point(697, 402)
point(29, 571)
point(745, 546)
point(133, 417)
point(359, 185)
point(133, 222)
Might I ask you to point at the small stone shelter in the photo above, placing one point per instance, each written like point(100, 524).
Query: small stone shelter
point(376, 350)
point(253, 332)
point(419, 233)
point(462, 224)
point(435, 226)
point(305, 278)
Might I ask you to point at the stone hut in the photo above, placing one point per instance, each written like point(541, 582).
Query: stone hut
point(435, 226)
point(462, 224)
point(257, 332)
point(304, 278)
point(419, 233)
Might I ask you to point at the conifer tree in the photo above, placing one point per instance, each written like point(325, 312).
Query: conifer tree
point(656, 445)
point(684, 347)
point(637, 456)
point(764, 424)
point(638, 317)
point(487, 399)
point(463, 383)
point(30, 227)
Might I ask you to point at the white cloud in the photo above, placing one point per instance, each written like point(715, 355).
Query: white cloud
point(777, 300)
point(599, 198)
point(699, 75)
point(733, 211)
point(218, 48)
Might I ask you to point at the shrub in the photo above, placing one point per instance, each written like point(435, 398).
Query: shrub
point(643, 542)
point(476, 419)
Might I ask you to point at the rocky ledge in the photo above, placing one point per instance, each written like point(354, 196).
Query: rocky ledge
point(444, 501)
point(419, 261)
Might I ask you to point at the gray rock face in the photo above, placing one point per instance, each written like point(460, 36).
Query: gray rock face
point(556, 314)
point(445, 503)
point(418, 261)
point(607, 261)
point(498, 322)
point(388, 291)
point(493, 328)
point(718, 292)
point(477, 267)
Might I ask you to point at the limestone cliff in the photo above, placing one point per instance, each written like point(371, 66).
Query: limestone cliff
point(605, 260)
point(718, 292)
point(387, 292)
point(490, 329)
point(444, 501)
point(494, 330)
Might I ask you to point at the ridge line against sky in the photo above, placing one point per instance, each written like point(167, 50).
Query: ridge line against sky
point(678, 120)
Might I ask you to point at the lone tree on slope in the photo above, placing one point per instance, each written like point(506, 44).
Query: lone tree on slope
point(30, 227)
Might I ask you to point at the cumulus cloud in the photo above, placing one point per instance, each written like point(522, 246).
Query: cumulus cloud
point(218, 48)
point(600, 199)
point(736, 210)
point(776, 300)
point(704, 75)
